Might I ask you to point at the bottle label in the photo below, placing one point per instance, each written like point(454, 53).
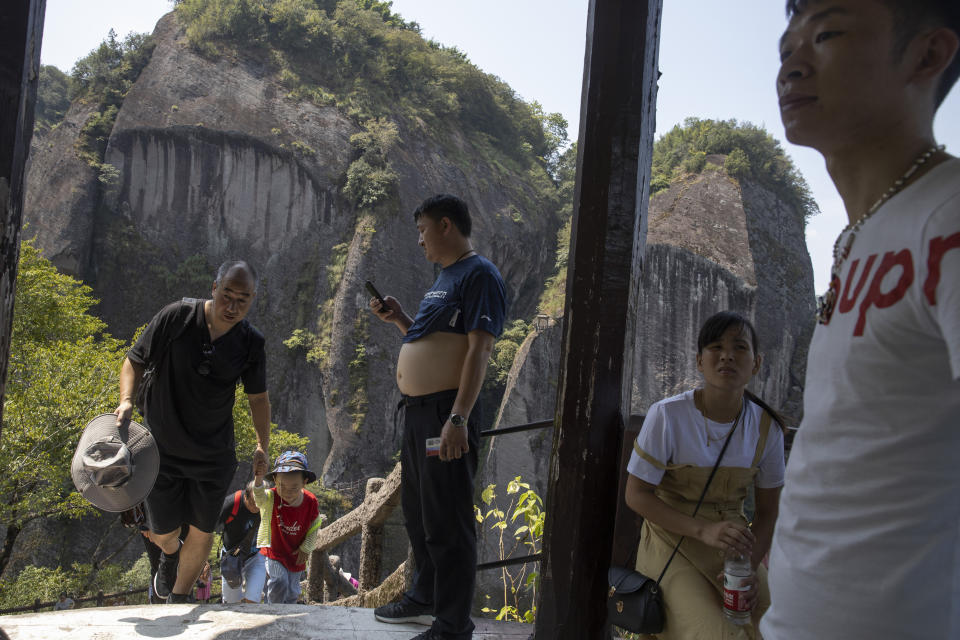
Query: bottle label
point(735, 590)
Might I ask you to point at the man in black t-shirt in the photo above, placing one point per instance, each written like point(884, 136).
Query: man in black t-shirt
point(198, 350)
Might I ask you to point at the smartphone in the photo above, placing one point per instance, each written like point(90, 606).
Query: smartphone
point(376, 294)
point(433, 446)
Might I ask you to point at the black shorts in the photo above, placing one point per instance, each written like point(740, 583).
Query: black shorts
point(191, 495)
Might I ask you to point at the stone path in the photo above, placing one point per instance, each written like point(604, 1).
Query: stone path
point(228, 622)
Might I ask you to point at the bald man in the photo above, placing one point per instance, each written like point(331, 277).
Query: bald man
point(197, 351)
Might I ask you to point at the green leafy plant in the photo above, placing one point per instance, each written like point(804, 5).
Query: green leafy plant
point(371, 178)
point(526, 516)
point(63, 371)
point(80, 580)
point(504, 352)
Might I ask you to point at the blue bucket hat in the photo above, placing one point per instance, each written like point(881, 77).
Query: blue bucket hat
point(292, 461)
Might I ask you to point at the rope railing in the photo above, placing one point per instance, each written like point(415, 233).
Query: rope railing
point(102, 599)
point(99, 599)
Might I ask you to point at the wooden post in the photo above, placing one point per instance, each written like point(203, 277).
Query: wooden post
point(21, 31)
point(371, 544)
point(607, 242)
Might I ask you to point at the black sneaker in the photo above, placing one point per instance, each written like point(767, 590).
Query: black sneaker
point(405, 611)
point(433, 634)
point(179, 598)
point(166, 575)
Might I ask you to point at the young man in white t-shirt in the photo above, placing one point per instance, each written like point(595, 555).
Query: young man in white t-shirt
point(867, 544)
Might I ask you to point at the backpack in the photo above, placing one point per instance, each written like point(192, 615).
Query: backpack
point(151, 371)
point(236, 507)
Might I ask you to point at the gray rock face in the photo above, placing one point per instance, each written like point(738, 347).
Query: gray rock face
point(712, 245)
point(715, 244)
point(61, 195)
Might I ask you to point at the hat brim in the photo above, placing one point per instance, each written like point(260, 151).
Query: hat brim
point(145, 457)
point(311, 476)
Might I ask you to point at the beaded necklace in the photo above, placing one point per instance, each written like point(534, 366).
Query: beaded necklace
point(828, 300)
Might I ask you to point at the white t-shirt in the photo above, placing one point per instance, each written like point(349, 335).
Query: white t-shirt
point(867, 543)
point(674, 433)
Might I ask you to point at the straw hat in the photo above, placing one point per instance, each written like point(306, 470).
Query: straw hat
point(115, 468)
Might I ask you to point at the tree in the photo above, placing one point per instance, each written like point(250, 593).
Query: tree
point(52, 98)
point(555, 138)
point(737, 163)
point(63, 372)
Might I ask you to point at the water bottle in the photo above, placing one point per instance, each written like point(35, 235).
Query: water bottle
point(736, 582)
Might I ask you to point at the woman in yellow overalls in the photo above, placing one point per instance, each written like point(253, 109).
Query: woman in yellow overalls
point(672, 459)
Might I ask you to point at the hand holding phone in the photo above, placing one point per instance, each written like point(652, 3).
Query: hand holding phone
point(384, 307)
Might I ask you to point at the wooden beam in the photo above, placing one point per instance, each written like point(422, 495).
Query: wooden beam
point(607, 242)
point(21, 31)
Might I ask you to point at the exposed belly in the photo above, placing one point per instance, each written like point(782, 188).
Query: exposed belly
point(430, 364)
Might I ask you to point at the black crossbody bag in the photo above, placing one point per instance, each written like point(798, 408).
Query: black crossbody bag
point(635, 601)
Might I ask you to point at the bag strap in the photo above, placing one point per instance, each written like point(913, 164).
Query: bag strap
point(236, 507)
point(703, 494)
point(183, 322)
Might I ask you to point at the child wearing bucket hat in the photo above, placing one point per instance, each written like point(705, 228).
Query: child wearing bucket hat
point(289, 522)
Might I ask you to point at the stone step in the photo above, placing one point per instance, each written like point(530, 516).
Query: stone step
point(233, 621)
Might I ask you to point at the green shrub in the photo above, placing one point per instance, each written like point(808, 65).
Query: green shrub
point(737, 164)
point(526, 514)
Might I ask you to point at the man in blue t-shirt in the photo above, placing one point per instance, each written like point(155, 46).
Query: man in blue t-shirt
point(440, 369)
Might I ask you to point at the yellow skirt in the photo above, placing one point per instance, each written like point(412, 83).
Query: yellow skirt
point(693, 603)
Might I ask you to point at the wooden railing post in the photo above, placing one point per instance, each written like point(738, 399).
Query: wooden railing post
point(371, 544)
point(331, 570)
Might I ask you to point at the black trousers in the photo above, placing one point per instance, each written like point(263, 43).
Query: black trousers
point(437, 500)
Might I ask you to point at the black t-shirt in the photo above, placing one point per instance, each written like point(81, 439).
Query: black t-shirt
point(241, 529)
point(190, 414)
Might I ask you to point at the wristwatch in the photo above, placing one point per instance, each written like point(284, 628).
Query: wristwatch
point(458, 420)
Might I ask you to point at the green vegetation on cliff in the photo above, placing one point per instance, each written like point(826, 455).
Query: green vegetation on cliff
point(53, 98)
point(368, 61)
point(750, 153)
point(103, 77)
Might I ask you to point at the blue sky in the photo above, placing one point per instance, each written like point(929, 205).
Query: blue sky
point(719, 60)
